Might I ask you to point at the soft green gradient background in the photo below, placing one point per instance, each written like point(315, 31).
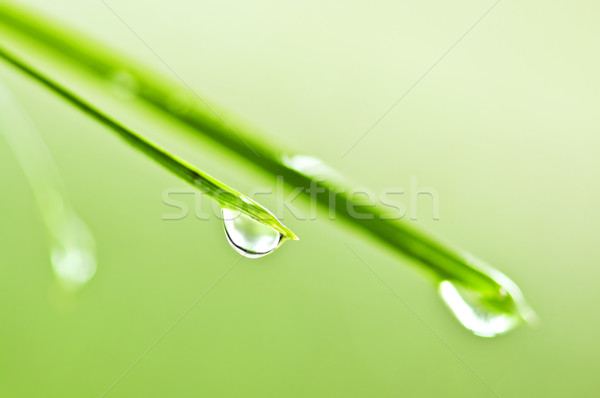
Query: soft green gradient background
point(506, 128)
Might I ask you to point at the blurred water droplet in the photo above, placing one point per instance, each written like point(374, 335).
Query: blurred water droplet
point(73, 266)
point(316, 169)
point(123, 84)
point(248, 236)
point(477, 312)
point(73, 254)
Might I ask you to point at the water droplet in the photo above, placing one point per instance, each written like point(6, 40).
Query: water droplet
point(482, 315)
point(72, 254)
point(316, 169)
point(248, 236)
point(73, 266)
point(123, 84)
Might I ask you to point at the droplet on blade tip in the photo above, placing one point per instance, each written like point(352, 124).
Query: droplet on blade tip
point(248, 236)
point(471, 310)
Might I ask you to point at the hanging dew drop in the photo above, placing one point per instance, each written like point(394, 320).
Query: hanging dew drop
point(477, 312)
point(248, 236)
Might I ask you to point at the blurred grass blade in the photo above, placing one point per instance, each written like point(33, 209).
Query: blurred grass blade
point(72, 244)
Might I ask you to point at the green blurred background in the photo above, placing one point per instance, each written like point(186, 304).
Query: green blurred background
point(505, 128)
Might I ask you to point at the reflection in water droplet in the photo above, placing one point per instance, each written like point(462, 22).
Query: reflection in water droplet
point(475, 312)
point(248, 236)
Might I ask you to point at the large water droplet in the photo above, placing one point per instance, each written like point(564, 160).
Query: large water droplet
point(248, 236)
point(478, 313)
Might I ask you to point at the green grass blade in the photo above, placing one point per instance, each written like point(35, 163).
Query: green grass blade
point(175, 101)
point(225, 195)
